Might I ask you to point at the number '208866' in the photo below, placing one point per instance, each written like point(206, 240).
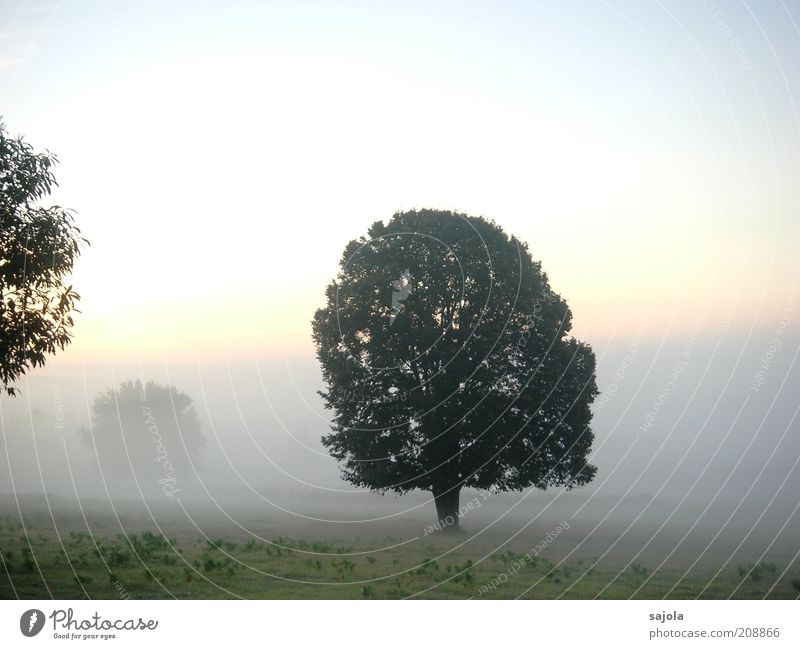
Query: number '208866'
point(758, 632)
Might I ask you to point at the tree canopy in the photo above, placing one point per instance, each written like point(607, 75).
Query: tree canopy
point(146, 434)
point(38, 247)
point(448, 363)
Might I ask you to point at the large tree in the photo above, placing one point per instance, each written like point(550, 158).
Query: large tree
point(448, 363)
point(38, 247)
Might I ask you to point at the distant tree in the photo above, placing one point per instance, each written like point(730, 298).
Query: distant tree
point(145, 434)
point(448, 364)
point(38, 246)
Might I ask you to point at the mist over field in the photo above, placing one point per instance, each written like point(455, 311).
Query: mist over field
point(707, 456)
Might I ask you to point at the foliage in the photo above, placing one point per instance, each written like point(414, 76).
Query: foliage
point(38, 248)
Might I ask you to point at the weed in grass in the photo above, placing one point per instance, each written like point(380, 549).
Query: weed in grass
point(464, 573)
point(343, 567)
point(397, 591)
point(427, 567)
point(639, 572)
point(756, 571)
point(113, 555)
point(551, 574)
point(28, 562)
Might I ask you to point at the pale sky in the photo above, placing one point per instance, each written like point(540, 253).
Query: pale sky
point(220, 157)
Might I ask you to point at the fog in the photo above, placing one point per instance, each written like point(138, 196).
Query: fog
point(696, 434)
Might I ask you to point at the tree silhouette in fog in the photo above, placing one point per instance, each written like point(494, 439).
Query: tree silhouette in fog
point(145, 433)
point(448, 363)
point(38, 247)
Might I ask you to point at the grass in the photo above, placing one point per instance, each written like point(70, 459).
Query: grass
point(38, 563)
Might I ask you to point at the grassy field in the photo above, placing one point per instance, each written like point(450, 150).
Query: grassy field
point(39, 563)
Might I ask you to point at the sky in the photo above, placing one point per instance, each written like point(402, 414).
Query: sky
point(219, 157)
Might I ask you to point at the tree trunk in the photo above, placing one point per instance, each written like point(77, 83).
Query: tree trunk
point(447, 509)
